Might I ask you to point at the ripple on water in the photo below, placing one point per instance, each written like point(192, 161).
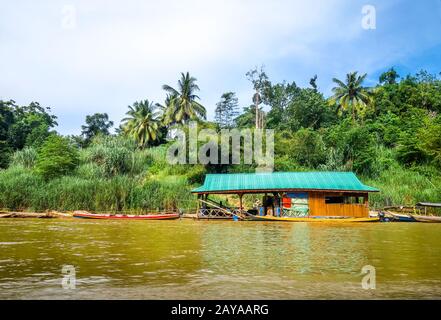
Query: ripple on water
point(194, 259)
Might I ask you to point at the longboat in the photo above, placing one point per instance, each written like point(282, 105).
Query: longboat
point(432, 219)
point(156, 216)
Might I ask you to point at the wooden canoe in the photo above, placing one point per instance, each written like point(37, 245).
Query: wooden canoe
point(433, 219)
point(398, 217)
point(162, 216)
point(306, 219)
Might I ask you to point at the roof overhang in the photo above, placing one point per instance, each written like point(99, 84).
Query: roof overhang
point(280, 190)
point(429, 204)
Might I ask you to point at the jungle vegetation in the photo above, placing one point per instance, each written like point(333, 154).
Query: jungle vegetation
point(389, 134)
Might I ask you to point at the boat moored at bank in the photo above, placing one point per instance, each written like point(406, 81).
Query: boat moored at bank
point(108, 216)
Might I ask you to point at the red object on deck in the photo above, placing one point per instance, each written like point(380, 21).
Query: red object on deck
point(286, 202)
point(163, 216)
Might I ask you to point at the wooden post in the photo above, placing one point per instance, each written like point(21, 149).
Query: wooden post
point(240, 202)
point(204, 197)
point(366, 203)
point(198, 206)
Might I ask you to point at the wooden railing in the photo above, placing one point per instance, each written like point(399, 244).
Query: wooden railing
point(217, 211)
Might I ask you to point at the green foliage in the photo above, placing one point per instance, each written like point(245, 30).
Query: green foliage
point(18, 187)
point(355, 148)
point(306, 147)
point(400, 186)
point(308, 110)
point(96, 124)
point(430, 139)
point(22, 126)
point(23, 189)
point(409, 150)
point(102, 182)
point(6, 121)
point(142, 123)
point(181, 104)
point(26, 158)
point(56, 157)
point(335, 161)
point(31, 126)
point(359, 149)
point(387, 128)
point(114, 155)
point(247, 119)
point(90, 170)
point(351, 95)
point(226, 110)
point(279, 97)
point(196, 174)
point(389, 77)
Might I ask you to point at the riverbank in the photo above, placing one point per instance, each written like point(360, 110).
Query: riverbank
point(21, 214)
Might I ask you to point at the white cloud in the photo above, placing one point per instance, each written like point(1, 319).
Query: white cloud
point(122, 51)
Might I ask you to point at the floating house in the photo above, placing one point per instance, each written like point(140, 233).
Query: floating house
point(287, 194)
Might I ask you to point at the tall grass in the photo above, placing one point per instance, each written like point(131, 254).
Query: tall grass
point(20, 189)
point(25, 158)
point(113, 175)
point(405, 186)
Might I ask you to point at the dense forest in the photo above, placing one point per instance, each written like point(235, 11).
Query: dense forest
point(389, 134)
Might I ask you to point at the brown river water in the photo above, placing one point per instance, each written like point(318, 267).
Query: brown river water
point(186, 259)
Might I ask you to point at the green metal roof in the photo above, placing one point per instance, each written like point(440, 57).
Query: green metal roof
point(223, 183)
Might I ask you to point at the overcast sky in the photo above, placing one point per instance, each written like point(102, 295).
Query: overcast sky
point(82, 57)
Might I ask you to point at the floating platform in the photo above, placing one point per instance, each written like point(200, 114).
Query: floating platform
point(311, 219)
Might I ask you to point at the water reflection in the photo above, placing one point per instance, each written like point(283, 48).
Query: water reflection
point(289, 249)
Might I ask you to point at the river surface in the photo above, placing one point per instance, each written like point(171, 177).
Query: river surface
point(186, 259)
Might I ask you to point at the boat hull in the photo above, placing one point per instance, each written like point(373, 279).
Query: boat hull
point(333, 220)
point(166, 216)
point(404, 219)
point(399, 217)
point(431, 219)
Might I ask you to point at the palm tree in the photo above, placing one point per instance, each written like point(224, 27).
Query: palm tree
point(141, 122)
point(181, 105)
point(350, 95)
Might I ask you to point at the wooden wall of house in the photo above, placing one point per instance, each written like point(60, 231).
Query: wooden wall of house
point(318, 206)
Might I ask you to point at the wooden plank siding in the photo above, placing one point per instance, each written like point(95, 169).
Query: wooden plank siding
point(318, 207)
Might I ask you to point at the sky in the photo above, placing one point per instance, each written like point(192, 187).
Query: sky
point(82, 57)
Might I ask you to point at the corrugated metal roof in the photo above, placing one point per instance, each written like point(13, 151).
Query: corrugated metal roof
point(346, 181)
point(429, 204)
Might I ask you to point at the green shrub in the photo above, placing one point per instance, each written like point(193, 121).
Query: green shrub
point(196, 174)
point(56, 157)
point(308, 148)
point(116, 155)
